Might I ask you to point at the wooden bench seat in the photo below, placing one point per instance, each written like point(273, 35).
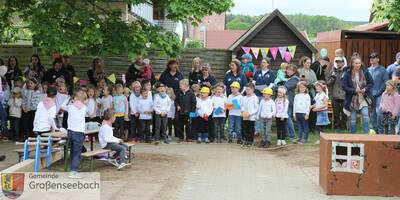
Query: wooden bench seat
point(131, 154)
point(90, 154)
point(20, 153)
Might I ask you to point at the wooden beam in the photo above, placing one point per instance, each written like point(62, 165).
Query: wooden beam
point(28, 165)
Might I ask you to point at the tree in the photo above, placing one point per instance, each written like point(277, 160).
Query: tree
point(387, 10)
point(68, 26)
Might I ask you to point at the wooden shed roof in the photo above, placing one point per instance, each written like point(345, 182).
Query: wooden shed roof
point(264, 21)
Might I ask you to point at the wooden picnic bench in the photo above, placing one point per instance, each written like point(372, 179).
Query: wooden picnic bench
point(90, 155)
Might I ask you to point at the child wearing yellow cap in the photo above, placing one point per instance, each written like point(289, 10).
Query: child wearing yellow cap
point(204, 110)
point(234, 118)
point(265, 114)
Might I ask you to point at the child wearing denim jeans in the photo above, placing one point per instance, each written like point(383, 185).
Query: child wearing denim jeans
point(76, 127)
point(301, 110)
point(234, 118)
point(204, 110)
point(266, 112)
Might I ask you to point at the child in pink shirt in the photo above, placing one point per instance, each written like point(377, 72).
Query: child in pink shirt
point(389, 106)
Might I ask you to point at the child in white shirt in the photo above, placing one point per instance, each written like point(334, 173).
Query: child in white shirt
point(133, 102)
point(162, 105)
point(204, 109)
point(301, 110)
point(45, 115)
point(108, 141)
point(171, 113)
point(282, 105)
point(234, 118)
point(91, 106)
point(61, 97)
point(266, 112)
point(145, 109)
point(219, 106)
point(15, 109)
point(106, 102)
point(249, 114)
point(76, 127)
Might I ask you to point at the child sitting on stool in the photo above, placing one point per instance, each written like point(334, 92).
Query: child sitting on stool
point(108, 141)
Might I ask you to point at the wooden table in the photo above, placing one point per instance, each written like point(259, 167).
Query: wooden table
point(89, 133)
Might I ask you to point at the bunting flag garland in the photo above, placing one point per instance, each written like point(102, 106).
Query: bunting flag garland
point(292, 50)
point(112, 78)
point(282, 51)
point(287, 56)
point(255, 51)
point(246, 49)
point(274, 51)
point(264, 52)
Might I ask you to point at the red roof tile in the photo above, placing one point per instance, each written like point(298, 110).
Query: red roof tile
point(222, 39)
point(371, 26)
point(330, 36)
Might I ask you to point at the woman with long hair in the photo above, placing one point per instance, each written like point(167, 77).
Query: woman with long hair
point(357, 83)
point(96, 72)
point(13, 70)
point(171, 75)
point(234, 75)
point(35, 69)
point(195, 74)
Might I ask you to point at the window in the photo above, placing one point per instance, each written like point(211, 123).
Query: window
point(347, 157)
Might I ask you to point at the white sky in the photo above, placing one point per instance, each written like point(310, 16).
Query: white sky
point(349, 10)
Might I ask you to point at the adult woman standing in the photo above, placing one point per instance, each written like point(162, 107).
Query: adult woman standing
point(171, 76)
point(263, 77)
point(13, 70)
point(308, 75)
point(233, 75)
point(357, 83)
point(96, 72)
point(195, 74)
point(206, 79)
point(291, 84)
point(35, 69)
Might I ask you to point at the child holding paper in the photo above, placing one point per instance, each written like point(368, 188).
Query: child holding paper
point(234, 118)
point(219, 105)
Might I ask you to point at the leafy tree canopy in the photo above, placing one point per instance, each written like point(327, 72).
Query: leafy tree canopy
point(68, 26)
point(387, 10)
point(309, 23)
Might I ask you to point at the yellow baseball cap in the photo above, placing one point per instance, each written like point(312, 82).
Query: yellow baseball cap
point(205, 90)
point(267, 91)
point(235, 84)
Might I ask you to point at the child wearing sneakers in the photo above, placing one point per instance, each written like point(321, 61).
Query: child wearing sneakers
point(219, 106)
point(108, 141)
point(301, 110)
point(249, 114)
point(321, 105)
point(282, 105)
point(266, 112)
point(162, 104)
point(121, 111)
point(145, 110)
point(234, 118)
point(133, 102)
point(204, 109)
point(171, 114)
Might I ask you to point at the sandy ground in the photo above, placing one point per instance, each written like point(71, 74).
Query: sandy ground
point(213, 171)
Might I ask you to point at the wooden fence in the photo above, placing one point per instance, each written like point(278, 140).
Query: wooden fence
point(218, 59)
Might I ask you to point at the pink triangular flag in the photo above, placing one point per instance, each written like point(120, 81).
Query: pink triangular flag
point(246, 49)
point(287, 57)
point(274, 51)
point(282, 51)
point(255, 51)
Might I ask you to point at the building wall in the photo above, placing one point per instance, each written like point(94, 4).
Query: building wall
point(212, 23)
point(276, 34)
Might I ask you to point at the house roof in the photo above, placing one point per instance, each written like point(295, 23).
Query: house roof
point(329, 36)
point(371, 26)
point(222, 39)
point(264, 21)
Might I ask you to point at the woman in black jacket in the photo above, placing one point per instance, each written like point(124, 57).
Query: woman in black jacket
point(195, 74)
point(96, 72)
point(171, 76)
point(206, 79)
point(357, 84)
point(13, 70)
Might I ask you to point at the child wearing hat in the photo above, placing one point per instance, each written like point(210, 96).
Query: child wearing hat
point(15, 108)
point(162, 105)
point(234, 118)
point(266, 112)
point(249, 114)
point(204, 108)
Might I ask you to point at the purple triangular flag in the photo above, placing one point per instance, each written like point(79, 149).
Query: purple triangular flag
point(282, 51)
point(246, 49)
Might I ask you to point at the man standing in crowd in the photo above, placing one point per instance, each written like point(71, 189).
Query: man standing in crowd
point(380, 76)
point(391, 69)
point(319, 67)
point(335, 83)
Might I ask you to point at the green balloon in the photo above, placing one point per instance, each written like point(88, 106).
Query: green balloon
point(323, 52)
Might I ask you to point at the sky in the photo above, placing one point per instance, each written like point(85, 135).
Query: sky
point(349, 10)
